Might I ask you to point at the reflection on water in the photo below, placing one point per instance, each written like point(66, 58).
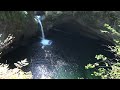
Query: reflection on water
point(65, 58)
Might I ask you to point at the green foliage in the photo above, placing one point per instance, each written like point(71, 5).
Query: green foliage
point(98, 57)
point(14, 24)
point(100, 72)
point(21, 63)
point(110, 29)
point(16, 73)
point(89, 66)
point(110, 68)
point(7, 41)
point(114, 73)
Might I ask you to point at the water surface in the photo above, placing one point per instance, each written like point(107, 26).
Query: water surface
point(65, 58)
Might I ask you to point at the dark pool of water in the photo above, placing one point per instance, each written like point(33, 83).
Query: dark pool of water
point(65, 58)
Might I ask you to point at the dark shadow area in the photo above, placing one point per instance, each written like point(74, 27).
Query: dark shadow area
point(70, 47)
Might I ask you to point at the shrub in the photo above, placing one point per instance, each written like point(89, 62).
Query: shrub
point(16, 73)
point(110, 68)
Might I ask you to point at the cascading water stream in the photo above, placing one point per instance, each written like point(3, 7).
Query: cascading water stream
point(39, 21)
point(44, 41)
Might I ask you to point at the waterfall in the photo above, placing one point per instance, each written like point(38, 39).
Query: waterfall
point(44, 41)
point(39, 21)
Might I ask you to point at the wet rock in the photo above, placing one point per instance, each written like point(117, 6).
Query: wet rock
point(88, 23)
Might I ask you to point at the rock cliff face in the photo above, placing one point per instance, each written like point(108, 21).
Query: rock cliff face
point(18, 24)
point(86, 23)
point(22, 26)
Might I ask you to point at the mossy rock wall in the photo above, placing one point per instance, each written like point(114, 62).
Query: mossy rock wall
point(90, 22)
point(21, 25)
